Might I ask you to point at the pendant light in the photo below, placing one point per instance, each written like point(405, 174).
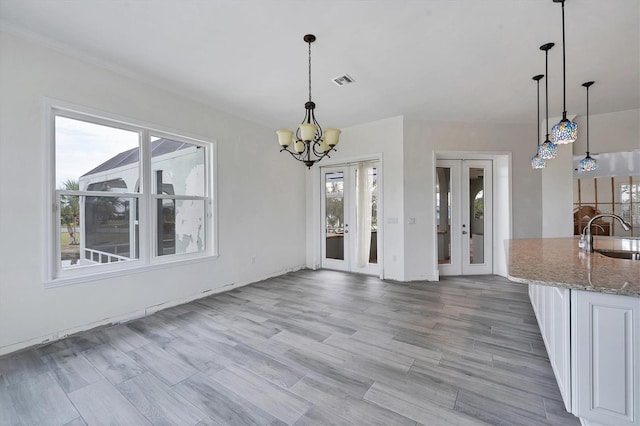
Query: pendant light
point(310, 144)
point(548, 149)
point(565, 131)
point(536, 161)
point(588, 164)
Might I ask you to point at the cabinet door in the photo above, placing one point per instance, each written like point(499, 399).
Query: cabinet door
point(559, 339)
point(606, 357)
point(551, 306)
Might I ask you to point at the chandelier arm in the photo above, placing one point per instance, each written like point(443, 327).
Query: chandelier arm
point(320, 154)
point(293, 154)
point(318, 128)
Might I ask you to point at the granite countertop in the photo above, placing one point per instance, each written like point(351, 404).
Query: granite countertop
point(559, 262)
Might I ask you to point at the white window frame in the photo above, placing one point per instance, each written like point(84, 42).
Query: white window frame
point(148, 259)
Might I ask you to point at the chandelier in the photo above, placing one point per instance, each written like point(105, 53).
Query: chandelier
point(310, 143)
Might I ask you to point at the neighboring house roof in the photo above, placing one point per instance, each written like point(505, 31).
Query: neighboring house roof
point(158, 147)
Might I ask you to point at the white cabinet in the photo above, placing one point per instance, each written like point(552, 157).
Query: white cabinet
point(552, 308)
point(593, 343)
point(606, 358)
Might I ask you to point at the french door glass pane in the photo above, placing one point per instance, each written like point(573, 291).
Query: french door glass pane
point(476, 201)
point(334, 215)
point(373, 250)
point(443, 213)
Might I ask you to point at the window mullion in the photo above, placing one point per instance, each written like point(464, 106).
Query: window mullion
point(146, 223)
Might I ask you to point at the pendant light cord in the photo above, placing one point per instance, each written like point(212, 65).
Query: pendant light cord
point(587, 121)
point(538, 84)
point(564, 70)
point(546, 89)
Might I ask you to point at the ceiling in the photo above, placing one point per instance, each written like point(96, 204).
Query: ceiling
point(436, 60)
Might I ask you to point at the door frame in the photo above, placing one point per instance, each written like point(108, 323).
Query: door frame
point(460, 236)
point(502, 201)
point(348, 263)
point(315, 228)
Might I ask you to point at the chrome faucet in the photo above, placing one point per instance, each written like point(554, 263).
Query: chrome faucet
point(587, 238)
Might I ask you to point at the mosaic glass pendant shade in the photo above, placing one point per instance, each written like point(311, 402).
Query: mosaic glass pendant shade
point(564, 132)
point(548, 150)
point(588, 164)
point(537, 162)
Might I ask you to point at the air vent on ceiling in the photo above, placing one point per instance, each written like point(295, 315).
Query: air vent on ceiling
point(343, 79)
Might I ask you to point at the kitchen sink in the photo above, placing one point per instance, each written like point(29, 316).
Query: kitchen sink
point(619, 254)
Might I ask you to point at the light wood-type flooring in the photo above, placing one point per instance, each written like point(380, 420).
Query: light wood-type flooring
point(310, 347)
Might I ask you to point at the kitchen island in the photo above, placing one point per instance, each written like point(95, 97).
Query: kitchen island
point(588, 309)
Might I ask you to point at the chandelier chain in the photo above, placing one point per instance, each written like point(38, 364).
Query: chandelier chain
point(309, 71)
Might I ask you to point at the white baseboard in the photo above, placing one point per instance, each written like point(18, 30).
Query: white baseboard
point(130, 316)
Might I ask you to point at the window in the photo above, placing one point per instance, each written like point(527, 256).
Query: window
point(611, 194)
point(127, 196)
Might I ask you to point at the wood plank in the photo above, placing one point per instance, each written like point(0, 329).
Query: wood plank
point(163, 364)
point(424, 412)
point(276, 401)
point(40, 400)
point(8, 413)
point(158, 402)
point(72, 370)
point(101, 403)
point(112, 363)
point(345, 406)
point(222, 406)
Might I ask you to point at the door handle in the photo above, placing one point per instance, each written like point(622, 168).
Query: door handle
point(464, 232)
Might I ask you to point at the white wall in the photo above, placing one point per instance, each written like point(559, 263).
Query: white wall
point(422, 140)
point(612, 132)
point(557, 199)
point(408, 151)
point(261, 197)
point(383, 139)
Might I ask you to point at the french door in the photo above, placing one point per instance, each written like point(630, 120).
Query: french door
point(464, 205)
point(350, 217)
